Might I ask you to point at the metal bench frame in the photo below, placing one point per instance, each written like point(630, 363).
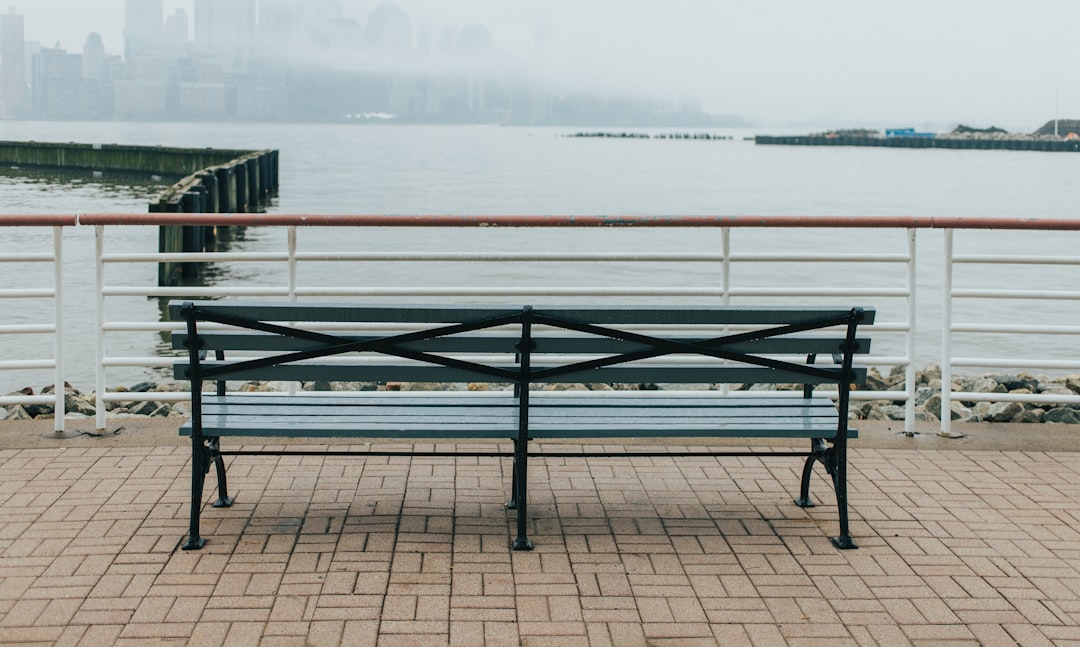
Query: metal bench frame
point(430, 356)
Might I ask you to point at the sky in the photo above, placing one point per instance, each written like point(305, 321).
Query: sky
point(879, 63)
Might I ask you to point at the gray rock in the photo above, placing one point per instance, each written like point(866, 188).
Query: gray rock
point(570, 387)
point(19, 413)
point(959, 411)
point(876, 413)
point(78, 405)
point(1004, 411)
point(875, 382)
point(1019, 381)
point(143, 408)
point(923, 394)
point(928, 374)
point(1030, 416)
point(925, 416)
point(1072, 382)
point(890, 412)
point(1055, 389)
point(988, 385)
point(1062, 415)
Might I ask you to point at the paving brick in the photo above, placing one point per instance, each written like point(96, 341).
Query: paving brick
point(956, 547)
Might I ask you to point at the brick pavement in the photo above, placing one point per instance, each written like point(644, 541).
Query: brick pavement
point(956, 547)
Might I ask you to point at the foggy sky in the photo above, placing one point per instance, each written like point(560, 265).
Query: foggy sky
point(885, 63)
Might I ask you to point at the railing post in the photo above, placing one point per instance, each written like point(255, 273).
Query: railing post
point(292, 262)
point(58, 328)
point(725, 282)
point(292, 282)
point(946, 338)
point(909, 373)
point(99, 329)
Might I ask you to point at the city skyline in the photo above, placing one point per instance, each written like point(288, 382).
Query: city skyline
point(284, 60)
point(783, 62)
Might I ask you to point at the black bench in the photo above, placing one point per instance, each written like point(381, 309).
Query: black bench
point(522, 348)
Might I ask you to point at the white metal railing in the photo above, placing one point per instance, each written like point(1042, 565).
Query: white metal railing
point(1035, 297)
point(11, 297)
point(354, 261)
point(726, 268)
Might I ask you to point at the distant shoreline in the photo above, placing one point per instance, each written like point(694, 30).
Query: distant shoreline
point(955, 142)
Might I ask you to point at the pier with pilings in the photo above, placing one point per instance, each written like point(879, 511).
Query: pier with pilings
point(244, 184)
point(212, 181)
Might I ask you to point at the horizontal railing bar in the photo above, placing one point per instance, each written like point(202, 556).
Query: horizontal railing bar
point(597, 291)
point(26, 293)
point(27, 258)
point(1015, 329)
point(604, 257)
point(507, 291)
point(1021, 363)
point(822, 292)
point(6, 400)
point(552, 221)
point(1030, 293)
point(26, 329)
point(146, 396)
point(38, 220)
point(970, 396)
point(820, 258)
point(126, 291)
point(544, 221)
point(896, 396)
point(27, 364)
point(192, 257)
point(222, 257)
point(1017, 260)
point(503, 220)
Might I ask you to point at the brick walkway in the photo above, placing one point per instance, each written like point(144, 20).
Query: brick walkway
point(957, 547)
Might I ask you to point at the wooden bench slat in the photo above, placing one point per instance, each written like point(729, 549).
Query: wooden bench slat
point(494, 344)
point(433, 314)
point(622, 374)
point(538, 399)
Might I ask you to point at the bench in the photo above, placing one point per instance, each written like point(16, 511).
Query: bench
point(514, 352)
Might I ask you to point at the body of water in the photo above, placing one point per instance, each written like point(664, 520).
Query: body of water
point(495, 170)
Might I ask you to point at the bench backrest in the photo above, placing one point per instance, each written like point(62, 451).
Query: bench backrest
point(594, 344)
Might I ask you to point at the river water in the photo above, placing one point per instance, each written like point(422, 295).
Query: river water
point(494, 170)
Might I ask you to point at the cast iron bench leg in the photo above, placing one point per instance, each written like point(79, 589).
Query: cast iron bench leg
point(200, 465)
point(818, 449)
point(840, 484)
point(224, 500)
point(521, 479)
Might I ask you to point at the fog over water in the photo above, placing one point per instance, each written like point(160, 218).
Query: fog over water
point(774, 62)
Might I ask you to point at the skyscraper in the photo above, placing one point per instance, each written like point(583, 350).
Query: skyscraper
point(13, 92)
point(225, 29)
point(143, 28)
point(176, 34)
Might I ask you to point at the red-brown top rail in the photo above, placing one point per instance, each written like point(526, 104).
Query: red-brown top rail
point(472, 220)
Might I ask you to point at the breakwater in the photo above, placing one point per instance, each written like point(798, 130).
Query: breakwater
point(640, 135)
point(210, 181)
point(1017, 143)
point(114, 158)
point(241, 184)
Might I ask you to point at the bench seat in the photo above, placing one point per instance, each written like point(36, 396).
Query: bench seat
point(382, 414)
